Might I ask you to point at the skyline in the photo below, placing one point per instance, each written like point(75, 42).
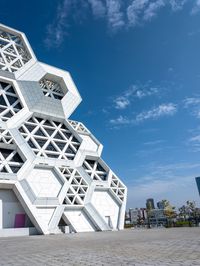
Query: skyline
point(137, 67)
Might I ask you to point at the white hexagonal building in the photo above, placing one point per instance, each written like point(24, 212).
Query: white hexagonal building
point(52, 178)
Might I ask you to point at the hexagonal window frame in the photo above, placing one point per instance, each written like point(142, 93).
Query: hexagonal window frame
point(47, 105)
point(33, 197)
point(15, 49)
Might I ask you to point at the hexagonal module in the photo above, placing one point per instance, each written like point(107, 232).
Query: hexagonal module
point(53, 90)
point(15, 51)
point(44, 182)
point(50, 138)
point(10, 103)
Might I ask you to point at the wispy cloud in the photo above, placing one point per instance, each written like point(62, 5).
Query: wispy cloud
point(195, 139)
point(172, 181)
point(196, 7)
point(118, 14)
point(193, 33)
point(193, 103)
point(194, 143)
point(152, 9)
point(134, 92)
point(134, 11)
point(121, 102)
point(98, 8)
point(177, 4)
point(153, 142)
point(121, 120)
point(114, 14)
point(57, 29)
point(168, 109)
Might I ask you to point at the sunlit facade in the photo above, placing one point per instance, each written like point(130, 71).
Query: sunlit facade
point(51, 172)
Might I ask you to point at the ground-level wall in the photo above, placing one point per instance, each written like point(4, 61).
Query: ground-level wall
point(107, 207)
point(11, 211)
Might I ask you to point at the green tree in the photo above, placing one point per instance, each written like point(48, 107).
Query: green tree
point(169, 211)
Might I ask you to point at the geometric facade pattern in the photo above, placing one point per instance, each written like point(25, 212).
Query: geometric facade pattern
point(44, 182)
point(77, 189)
point(52, 163)
point(5, 137)
point(10, 161)
point(49, 138)
point(95, 170)
point(9, 101)
point(13, 52)
point(117, 187)
point(78, 126)
point(51, 89)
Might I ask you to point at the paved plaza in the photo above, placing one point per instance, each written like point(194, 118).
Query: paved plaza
point(177, 246)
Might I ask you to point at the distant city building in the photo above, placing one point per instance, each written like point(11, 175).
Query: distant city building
point(160, 205)
point(127, 217)
point(143, 213)
point(157, 217)
point(134, 215)
point(144, 216)
point(198, 183)
point(137, 215)
point(150, 204)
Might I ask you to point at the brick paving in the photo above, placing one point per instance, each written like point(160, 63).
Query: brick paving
point(148, 247)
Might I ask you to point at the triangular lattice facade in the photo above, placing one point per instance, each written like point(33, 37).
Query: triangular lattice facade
point(51, 163)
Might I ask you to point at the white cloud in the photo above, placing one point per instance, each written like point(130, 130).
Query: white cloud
point(162, 110)
point(114, 14)
point(193, 103)
point(177, 4)
point(98, 8)
point(141, 93)
point(155, 113)
point(196, 138)
point(134, 92)
point(121, 120)
point(134, 10)
point(57, 29)
point(121, 102)
point(194, 142)
point(153, 142)
point(118, 14)
point(196, 7)
point(152, 9)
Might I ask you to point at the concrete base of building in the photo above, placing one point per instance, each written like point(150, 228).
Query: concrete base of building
point(8, 232)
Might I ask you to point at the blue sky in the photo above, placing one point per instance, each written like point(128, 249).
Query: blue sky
point(136, 64)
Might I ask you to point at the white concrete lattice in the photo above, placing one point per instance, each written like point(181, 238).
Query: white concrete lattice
point(52, 163)
point(9, 101)
point(51, 89)
point(13, 52)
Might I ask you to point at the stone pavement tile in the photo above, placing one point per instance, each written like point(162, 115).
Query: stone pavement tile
point(163, 247)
